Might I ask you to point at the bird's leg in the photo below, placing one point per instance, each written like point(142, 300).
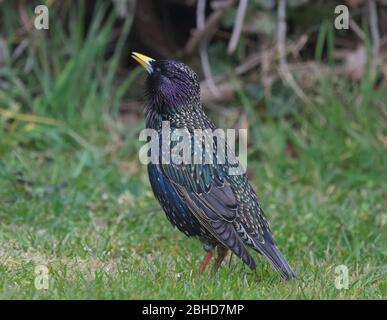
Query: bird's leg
point(205, 261)
point(222, 253)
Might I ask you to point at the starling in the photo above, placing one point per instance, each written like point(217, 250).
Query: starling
point(203, 200)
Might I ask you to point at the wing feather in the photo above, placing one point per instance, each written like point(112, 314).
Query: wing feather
point(215, 209)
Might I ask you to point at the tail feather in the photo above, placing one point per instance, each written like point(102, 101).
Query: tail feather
point(276, 259)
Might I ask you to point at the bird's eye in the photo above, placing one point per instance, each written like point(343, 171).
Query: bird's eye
point(158, 69)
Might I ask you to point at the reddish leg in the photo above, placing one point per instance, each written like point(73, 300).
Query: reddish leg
point(205, 261)
point(222, 253)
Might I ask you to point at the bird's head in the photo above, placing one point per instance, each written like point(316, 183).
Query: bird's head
point(170, 85)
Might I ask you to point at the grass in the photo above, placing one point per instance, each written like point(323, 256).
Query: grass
point(91, 217)
point(74, 197)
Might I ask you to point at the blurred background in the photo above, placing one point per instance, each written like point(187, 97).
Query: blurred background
point(74, 197)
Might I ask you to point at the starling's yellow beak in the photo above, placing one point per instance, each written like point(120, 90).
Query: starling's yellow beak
point(145, 61)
